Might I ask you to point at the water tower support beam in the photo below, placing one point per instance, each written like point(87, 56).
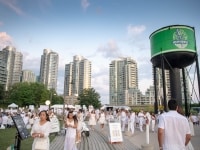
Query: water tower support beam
point(185, 92)
point(155, 90)
point(175, 85)
point(164, 84)
point(198, 76)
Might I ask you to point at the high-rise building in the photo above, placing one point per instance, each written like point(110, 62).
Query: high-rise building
point(3, 72)
point(12, 64)
point(77, 76)
point(49, 68)
point(149, 96)
point(134, 97)
point(159, 83)
point(123, 77)
point(28, 76)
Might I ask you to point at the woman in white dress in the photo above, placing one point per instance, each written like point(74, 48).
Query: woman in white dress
point(132, 123)
point(102, 119)
point(92, 119)
point(40, 131)
point(70, 137)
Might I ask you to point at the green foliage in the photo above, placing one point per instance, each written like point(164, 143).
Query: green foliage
point(146, 108)
point(1, 92)
point(25, 94)
point(195, 105)
point(7, 138)
point(89, 97)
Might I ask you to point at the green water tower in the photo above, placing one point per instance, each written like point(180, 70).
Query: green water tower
point(173, 48)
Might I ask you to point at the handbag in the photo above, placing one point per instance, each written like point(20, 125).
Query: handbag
point(41, 144)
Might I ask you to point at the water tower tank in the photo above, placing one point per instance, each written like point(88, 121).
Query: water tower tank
point(175, 44)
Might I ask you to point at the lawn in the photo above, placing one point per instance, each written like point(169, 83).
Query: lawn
point(7, 138)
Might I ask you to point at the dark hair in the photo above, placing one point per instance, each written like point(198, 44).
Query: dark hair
point(74, 116)
point(70, 112)
point(47, 116)
point(172, 104)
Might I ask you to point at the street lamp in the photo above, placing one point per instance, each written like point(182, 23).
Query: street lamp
point(51, 95)
point(48, 102)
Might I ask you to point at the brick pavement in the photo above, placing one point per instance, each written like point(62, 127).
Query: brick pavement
point(99, 139)
point(139, 138)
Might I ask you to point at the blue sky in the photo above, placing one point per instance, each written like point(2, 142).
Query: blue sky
point(99, 30)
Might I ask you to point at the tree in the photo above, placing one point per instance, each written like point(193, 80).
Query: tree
point(25, 94)
point(89, 97)
point(57, 99)
point(2, 92)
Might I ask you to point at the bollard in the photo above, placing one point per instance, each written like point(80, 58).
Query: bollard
point(147, 133)
point(147, 146)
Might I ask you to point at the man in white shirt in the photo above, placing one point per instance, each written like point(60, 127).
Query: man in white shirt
point(173, 129)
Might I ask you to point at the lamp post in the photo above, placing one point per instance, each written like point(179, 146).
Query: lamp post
point(51, 96)
point(48, 102)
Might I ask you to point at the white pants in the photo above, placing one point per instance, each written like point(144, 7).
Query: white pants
point(141, 120)
point(123, 125)
point(132, 127)
point(153, 122)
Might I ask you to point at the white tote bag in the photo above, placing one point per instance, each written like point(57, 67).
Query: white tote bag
point(41, 144)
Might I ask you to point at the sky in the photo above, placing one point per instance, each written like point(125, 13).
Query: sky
point(99, 30)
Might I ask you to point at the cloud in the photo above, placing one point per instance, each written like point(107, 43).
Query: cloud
point(31, 63)
point(85, 4)
point(134, 31)
point(109, 50)
point(100, 84)
point(144, 84)
point(12, 4)
point(5, 40)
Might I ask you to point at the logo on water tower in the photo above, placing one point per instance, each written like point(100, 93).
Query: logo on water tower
point(180, 38)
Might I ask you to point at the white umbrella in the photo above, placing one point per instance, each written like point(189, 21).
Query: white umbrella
point(13, 105)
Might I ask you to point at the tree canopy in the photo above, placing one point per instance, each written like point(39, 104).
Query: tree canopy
point(1, 92)
point(89, 97)
point(25, 94)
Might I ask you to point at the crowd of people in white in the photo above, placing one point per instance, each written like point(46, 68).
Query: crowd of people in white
point(129, 119)
point(29, 117)
point(74, 121)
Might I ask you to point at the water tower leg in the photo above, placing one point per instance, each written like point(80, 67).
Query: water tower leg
point(185, 92)
point(198, 76)
point(155, 90)
point(175, 85)
point(164, 85)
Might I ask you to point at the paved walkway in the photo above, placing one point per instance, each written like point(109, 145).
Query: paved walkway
point(98, 140)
